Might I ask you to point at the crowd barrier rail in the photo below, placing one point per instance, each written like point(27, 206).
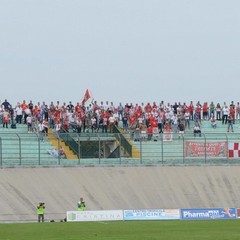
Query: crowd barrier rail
point(118, 148)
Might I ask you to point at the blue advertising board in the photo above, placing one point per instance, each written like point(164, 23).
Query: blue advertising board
point(208, 213)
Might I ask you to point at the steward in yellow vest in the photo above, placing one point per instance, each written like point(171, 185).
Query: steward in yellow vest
point(40, 211)
point(81, 205)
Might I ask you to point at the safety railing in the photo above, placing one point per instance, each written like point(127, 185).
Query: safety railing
point(109, 149)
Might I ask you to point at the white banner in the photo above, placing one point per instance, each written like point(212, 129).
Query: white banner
point(167, 136)
point(85, 216)
point(152, 214)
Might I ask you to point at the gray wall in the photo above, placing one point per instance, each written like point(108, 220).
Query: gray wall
point(140, 187)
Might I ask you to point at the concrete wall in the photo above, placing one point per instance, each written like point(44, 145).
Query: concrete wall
point(115, 188)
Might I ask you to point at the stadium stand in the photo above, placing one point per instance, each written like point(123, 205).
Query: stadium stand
point(148, 183)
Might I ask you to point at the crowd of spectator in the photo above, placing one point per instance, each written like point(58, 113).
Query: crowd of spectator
point(146, 119)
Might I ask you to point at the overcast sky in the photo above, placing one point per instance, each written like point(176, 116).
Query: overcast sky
point(121, 50)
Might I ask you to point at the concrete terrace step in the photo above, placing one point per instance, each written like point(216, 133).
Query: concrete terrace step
point(26, 162)
point(22, 148)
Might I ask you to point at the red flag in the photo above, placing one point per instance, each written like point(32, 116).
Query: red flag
point(86, 97)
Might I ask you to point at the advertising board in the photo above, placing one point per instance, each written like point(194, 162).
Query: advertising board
point(208, 213)
point(85, 216)
point(151, 214)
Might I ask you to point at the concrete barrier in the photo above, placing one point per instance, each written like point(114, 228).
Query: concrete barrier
point(104, 188)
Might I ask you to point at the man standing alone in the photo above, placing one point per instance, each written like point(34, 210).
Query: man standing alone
point(81, 205)
point(40, 211)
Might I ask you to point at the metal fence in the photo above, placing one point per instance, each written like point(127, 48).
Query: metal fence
point(218, 148)
point(118, 148)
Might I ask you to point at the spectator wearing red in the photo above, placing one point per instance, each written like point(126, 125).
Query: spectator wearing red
point(185, 107)
point(95, 106)
point(65, 125)
point(205, 111)
point(154, 123)
point(78, 107)
point(167, 127)
point(162, 114)
point(139, 112)
point(132, 121)
point(105, 123)
point(57, 114)
point(232, 113)
point(24, 107)
point(149, 132)
point(6, 117)
point(107, 114)
point(154, 106)
point(150, 119)
point(36, 110)
point(148, 108)
point(191, 109)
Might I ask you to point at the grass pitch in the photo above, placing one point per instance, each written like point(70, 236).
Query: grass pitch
point(128, 230)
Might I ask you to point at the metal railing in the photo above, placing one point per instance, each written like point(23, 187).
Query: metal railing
point(98, 148)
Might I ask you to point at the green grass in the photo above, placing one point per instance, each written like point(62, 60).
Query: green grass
point(128, 230)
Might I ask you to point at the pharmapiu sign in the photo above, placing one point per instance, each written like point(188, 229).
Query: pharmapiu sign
point(208, 213)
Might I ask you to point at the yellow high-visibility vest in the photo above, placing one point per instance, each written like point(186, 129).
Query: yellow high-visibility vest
point(40, 209)
point(81, 206)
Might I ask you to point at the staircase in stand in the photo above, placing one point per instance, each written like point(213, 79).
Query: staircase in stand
point(57, 143)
